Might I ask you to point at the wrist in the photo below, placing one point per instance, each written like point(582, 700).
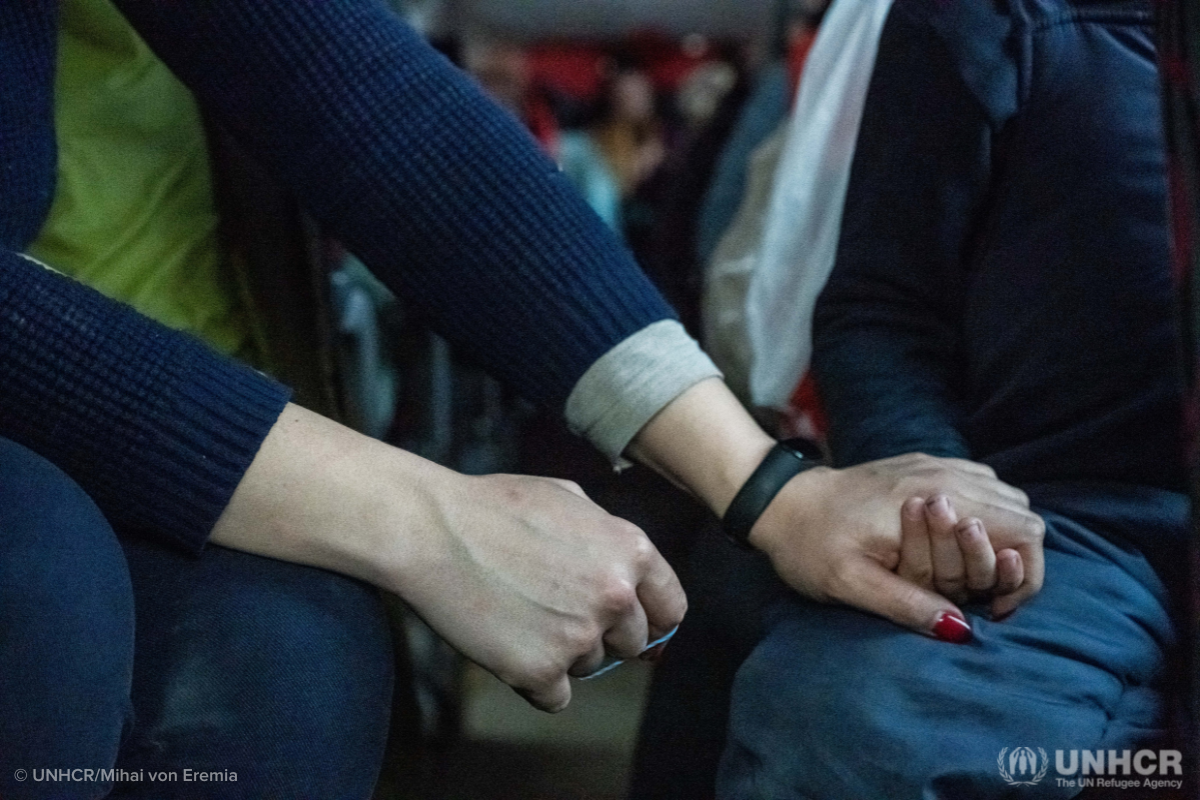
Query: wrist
point(806, 493)
point(705, 442)
point(784, 461)
point(321, 494)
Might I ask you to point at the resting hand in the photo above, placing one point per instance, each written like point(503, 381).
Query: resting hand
point(525, 576)
point(955, 558)
point(835, 535)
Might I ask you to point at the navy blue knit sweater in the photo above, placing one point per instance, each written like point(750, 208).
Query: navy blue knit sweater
point(384, 142)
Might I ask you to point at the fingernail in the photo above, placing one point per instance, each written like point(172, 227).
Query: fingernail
point(952, 628)
point(914, 508)
point(939, 504)
point(1004, 616)
point(971, 527)
point(654, 653)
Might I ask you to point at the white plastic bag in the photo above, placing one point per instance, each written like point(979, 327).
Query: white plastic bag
point(727, 278)
point(784, 271)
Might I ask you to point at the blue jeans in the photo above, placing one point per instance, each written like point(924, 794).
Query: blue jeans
point(119, 653)
point(836, 704)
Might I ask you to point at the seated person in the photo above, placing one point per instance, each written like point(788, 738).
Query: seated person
point(1002, 293)
point(143, 476)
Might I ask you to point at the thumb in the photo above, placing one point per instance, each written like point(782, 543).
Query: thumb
point(552, 698)
point(873, 588)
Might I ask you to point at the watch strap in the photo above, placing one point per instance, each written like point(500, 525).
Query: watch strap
point(784, 461)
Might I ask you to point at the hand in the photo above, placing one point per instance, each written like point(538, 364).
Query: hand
point(953, 556)
point(834, 535)
point(562, 583)
point(525, 576)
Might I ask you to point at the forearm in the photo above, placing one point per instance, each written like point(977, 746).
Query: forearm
point(705, 442)
point(524, 575)
point(884, 383)
point(401, 157)
point(314, 495)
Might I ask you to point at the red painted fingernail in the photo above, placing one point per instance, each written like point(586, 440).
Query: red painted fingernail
point(952, 628)
point(654, 653)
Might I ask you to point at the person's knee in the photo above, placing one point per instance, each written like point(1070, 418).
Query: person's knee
point(278, 672)
point(834, 703)
point(67, 624)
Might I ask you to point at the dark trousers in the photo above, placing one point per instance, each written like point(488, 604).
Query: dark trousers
point(835, 704)
point(121, 654)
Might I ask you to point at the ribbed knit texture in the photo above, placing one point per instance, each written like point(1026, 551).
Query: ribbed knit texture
point(27, 146)
point(156, 427)
point(438, 190)
point(433, 186)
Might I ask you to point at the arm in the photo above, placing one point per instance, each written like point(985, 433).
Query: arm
point(832, 534)
point(438, 190)
point(887, 355)
point(156, 427)
point(524, 575)
point(886, 326)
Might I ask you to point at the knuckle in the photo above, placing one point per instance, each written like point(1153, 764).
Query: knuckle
point(1035, 529)
point(529, 675)
point(644, 550)
point(542, 676)
point(618, 596)
point(981, 584)
point(955, 583)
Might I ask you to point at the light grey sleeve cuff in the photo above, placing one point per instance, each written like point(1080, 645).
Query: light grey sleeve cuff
point(632, 382)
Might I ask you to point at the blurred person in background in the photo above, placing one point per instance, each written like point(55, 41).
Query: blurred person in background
point(503, 70)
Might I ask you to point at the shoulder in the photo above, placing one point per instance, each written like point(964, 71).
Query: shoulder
point(974, 39)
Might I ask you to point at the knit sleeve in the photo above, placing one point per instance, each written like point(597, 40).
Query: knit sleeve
point(437, 189)
point(156, 428)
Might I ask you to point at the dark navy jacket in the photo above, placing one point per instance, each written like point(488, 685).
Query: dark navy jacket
point(1002, 289)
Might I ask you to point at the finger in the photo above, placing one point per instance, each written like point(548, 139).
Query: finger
point(1007, 525)
point(662, 597)
point(628, 637)
point(869, 586)
point(1010, 572)
point(977, 554)
point(916, 559)
point(553, 697)
point(1006, 604)
point(588, 664)
point(949, 569)
point(1033, 562)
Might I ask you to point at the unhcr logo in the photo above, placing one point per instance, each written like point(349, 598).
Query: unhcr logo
point(1146, 769)
point(1022, 766)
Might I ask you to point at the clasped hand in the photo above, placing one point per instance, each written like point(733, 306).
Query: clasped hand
point(887, 537)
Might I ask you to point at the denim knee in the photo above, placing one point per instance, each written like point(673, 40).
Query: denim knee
point(66, 633)
point(837, 703)
point(276, 672)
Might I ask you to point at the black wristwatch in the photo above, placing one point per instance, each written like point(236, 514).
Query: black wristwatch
point(784, 461)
